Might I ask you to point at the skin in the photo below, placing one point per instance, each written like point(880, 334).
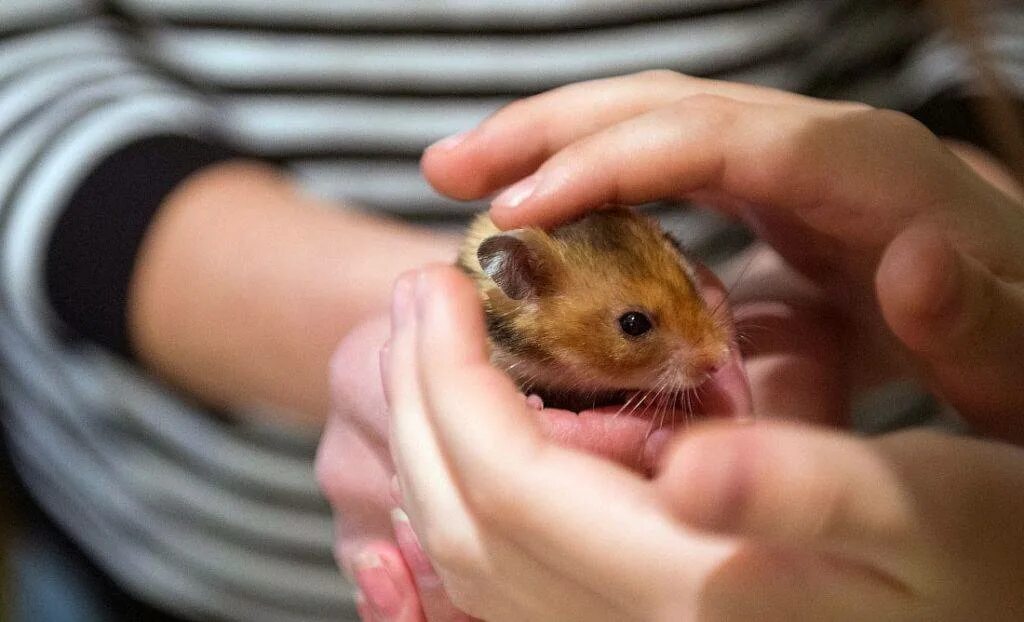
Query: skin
point(729, 145)
point(766, 521)
point(235, 236)
point(924, 284)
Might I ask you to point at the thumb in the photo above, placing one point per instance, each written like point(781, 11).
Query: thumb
point(961, 323)
point(791, 485)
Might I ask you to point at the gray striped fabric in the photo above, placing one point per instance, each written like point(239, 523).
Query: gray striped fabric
point(213, 518)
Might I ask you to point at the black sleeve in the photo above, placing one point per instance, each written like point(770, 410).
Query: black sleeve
point(95, 241)
point(92, 139)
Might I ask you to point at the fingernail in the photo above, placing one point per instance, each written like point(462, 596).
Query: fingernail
point(449, 142)
point(514, 195)
point(398, 515)
point(376, 585)
point(400, 300)
point(412, 551)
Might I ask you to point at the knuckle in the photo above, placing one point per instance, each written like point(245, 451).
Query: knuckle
point(829, 500)
point(893, 122)
point(798, 144)
point(488, 503)
point(660, 77)
point(333, 482)
point(353, 361)
point(326, 474)
point(717, 114)
point(326, 481)
point(517, 109)
point(466, 594)
point(712, 102)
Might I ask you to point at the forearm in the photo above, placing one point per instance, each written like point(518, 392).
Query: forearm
point(243, 288)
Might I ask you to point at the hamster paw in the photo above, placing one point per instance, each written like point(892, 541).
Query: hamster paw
point(534, 401)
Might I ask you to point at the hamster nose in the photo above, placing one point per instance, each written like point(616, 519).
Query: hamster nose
point(705, 367)
point(707, 363)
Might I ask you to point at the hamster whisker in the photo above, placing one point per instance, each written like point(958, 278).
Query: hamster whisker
point(636, 406)
point(657, 407)
point(736, 281)
point(743, 339)
point(688, 413)
point(625, 405)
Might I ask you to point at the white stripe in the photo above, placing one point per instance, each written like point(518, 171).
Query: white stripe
point(87, 383)
point(280, 124)
point(161, 561)
point(524, 62)
point(164, 418)
point(19, 97)
point(168, 480)
point(18, 150)
point(89, 39)
point(394, 185)
point(867, 35)
point(24, 13)
point(406, 14)
point(51, 181)
point(940, 64)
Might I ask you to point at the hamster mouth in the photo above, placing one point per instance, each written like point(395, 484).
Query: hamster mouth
point(632, 402)
point(634, 427)
point(725, 393)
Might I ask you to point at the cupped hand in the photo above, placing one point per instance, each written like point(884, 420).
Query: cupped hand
point(910, 250)
point(518, 528)
point(755, 521)
point(354, 469)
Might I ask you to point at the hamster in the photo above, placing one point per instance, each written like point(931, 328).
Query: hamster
point(593, 312)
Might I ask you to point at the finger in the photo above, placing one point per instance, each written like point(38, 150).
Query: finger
point(387, 591)
point(783, 484)
point(428, 491)
point(454, 342)
point(961, 322)
point(518, 138)
point(363, 609)
point(433, 598)
point(794, 361)
point(356, 387)
point(743, 149)
point(352, 475)
point(453, 350)
point(519, 486)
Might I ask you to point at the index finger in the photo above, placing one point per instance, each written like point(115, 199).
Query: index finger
point(783, 159)
point(518, 138)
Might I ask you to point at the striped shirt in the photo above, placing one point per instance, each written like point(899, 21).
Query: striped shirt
point(104, 106)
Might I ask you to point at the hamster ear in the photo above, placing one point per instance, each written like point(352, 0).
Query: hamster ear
point(510, 261)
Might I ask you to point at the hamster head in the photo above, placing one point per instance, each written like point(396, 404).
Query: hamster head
point(602, 305)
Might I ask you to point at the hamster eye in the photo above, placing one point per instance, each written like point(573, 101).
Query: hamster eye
point(634, 323)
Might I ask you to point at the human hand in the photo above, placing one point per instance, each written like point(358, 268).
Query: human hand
point(773, 522)
point(354, 469)
point(907, 247)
